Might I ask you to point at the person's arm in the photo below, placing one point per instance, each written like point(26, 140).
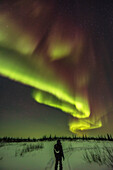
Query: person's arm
point(62, 153)
point(54, 150)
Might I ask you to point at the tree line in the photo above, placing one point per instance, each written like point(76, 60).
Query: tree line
point(107, 137)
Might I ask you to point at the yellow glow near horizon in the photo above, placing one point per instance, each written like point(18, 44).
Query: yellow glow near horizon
point(84, 124)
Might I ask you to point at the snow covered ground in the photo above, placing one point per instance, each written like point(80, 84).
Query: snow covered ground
point(12, 157)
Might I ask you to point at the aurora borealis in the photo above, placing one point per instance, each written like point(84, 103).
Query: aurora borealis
point(63, 51)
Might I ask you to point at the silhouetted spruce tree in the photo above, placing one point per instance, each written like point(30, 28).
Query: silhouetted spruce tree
point(50, 138)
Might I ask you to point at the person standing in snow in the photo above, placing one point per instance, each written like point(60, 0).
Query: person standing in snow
point(58, 152)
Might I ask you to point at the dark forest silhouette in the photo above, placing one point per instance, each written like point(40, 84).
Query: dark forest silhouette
point(107, 137)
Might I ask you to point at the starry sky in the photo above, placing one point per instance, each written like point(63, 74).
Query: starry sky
point(56, 67)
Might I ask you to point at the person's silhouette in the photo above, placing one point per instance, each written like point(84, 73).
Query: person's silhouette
point(58, 152)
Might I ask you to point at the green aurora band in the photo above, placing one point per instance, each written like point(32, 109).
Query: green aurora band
point(50, 93)
point(54, 56)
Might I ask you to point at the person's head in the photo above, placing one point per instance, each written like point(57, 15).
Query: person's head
point(58, 142)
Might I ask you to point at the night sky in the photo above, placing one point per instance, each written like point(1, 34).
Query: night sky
point(56, 67)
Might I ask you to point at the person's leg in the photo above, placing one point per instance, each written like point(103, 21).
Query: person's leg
point(60, 162)
point(56, 164)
